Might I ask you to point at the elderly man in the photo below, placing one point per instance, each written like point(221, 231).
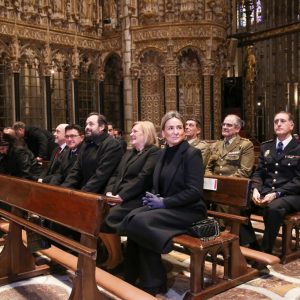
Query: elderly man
point(276, 181)
point(192, 132)
point(234, 155)
point(55, 160)
point(99, 156)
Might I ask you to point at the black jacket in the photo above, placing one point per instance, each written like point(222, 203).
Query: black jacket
point(20, 162)
point(39, 141)
point(278, 173)
point(98, 158)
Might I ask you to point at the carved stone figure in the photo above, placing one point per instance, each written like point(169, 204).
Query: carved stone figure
point(15, 49)
point(109, 9)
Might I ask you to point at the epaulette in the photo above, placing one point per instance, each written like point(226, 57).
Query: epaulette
point(269, 141)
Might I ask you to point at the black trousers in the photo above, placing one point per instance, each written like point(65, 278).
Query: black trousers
point(273, 215)
point(143, 265)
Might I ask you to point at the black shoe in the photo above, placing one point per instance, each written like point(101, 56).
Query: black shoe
point(162, 289)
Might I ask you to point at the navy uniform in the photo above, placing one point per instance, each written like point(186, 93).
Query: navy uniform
point(203, 146)
point(236, 159)
point(278, 173)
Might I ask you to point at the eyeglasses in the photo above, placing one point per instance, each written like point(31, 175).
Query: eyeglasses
point(227, 125)
point(71, 136)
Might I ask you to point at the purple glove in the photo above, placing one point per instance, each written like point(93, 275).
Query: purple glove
point(153, 201)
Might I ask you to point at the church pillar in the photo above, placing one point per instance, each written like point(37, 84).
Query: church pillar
point(208, 100)
point(171, 86)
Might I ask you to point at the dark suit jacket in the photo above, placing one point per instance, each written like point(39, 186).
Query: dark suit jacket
point(39, 141)
point(96, 162)
point(66, 162)
point(54, 164)
point(182, 193)
point(278, 173)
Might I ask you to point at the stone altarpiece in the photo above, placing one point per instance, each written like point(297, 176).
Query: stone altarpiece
point(167, 54)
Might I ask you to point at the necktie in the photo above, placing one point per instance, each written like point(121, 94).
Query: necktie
point(279, 148)
point(57, 153)
point(226, 144)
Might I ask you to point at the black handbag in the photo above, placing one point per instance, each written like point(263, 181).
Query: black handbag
point(205, 229)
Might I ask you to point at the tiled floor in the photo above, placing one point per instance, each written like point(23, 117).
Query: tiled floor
point(283, 283)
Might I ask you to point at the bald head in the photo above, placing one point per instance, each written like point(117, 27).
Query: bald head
point(59, 134)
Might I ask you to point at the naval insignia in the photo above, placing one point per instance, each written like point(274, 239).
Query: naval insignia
point(267, 153)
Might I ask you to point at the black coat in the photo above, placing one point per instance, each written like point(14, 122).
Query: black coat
point(39, 141)
point(132, 179)
point(279, 173)
point(20, 162)
point(95, 164)
point(183, 199)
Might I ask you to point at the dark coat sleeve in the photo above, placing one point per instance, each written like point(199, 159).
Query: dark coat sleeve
point(109, 158)
point(139, 176)
point(36, 136)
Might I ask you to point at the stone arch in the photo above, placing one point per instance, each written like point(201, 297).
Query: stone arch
point(112, 102)
point(152, 85)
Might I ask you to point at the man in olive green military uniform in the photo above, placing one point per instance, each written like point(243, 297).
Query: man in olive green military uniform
point(233, 156)
point(192, 132)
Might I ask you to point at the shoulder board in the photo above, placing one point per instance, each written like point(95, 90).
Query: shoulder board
point(244, 139)
point(269, 141)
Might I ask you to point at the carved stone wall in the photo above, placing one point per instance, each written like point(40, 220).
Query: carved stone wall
point(169, 49)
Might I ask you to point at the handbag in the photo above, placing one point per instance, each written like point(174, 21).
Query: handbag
point(205, 230)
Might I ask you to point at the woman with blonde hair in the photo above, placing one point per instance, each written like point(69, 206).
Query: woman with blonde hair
point(133, 176)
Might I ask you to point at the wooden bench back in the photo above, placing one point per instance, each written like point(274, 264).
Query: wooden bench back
point(231, 191)
point(77, 210)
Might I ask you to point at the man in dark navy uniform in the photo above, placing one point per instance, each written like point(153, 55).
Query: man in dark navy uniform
point(276, 181)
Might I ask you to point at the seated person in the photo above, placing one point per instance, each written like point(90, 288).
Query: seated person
point(276, 180)
point(133, 176)
point(17, 160)
point(74, 136)
point(174, 204)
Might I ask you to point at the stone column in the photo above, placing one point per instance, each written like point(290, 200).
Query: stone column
point(171, 71)
point(208, 71)
point(127, 72)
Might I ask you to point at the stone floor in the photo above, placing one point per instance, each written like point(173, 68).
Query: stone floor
point(283, 282)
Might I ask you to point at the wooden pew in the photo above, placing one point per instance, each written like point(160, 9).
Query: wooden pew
point(234, 192)
point(290, 236)
point(82, 212)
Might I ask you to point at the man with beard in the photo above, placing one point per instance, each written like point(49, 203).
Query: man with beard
point(98, 158)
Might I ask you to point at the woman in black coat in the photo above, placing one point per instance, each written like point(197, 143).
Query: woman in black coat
point(132, 178)
point(134, 173)
point(174, 204)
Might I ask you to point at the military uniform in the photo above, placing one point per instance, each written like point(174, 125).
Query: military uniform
point(236, 159)
point(203, 147)
point(278, 173)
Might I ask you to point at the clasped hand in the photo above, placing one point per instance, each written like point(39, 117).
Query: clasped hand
point(153, 201)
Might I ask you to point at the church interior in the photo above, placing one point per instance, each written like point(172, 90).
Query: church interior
point(135, 60)
point(138, 59)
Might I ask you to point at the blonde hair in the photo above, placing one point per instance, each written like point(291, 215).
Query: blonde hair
point(148, 128)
